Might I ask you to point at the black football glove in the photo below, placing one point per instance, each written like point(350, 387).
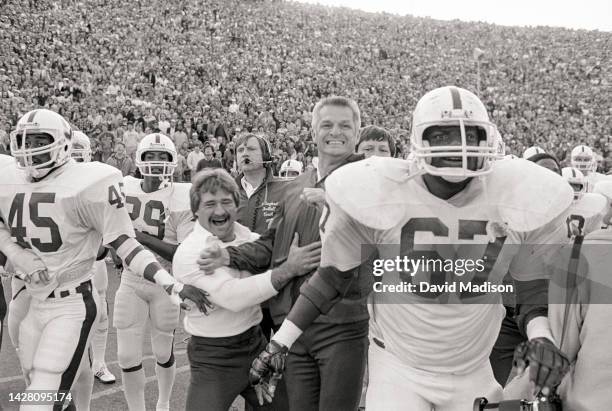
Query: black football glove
point(267, 369)
point(547, 364)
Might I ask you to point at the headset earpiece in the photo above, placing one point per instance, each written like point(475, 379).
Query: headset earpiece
point(266, 154)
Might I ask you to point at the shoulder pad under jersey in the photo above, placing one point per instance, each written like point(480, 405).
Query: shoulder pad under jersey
point(592, 204)
point(525, 195)
point(604, 234)
point(372, 191)
point(91, 174)
point(6, 161)
point(131, 184)
point(180, 197)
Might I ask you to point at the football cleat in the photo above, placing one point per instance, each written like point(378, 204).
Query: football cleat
point(104, 375)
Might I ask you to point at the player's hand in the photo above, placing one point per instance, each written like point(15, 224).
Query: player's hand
point(302, 260)
point(267, 369)
point(314, 195)
point(197, 296)
point(547, 364)
point(40, 277)
point(213, 256)
point(33, 269)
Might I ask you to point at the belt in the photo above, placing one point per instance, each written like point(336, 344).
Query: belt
point(378, 342)
point(79, 289)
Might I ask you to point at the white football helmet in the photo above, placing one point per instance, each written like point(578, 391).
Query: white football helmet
point(41, 123)
point(583, 158)
point(577, 180)
point(81, 146)
point(156, 142)
point(290, 169)
point(532, 151)
point(454, 106)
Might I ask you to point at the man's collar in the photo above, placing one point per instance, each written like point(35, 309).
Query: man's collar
point(350, 159)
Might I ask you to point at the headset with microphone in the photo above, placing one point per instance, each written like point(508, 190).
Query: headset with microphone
point(266, 150)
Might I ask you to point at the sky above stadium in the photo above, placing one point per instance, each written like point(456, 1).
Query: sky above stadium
point(582, 14)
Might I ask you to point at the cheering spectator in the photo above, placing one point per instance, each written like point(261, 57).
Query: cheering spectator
point(121, 161)
point(131, 140)
point(194, 158)
point(209, 161)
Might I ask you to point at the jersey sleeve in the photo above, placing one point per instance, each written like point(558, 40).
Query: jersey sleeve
point(343, 238)
point(537, 249)
point(101, 205)
point(180, 224)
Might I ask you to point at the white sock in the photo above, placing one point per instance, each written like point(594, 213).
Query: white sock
point(165, 382)
point(133, 389)
point(100, 336)
point(83, 385)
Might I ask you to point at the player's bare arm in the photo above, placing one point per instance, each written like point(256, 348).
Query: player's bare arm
point(160, 247)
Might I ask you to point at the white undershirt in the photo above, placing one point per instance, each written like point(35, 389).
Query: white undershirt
point(248, 188)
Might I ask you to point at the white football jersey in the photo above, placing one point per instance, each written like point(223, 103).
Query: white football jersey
point(594, 178)
point(506, 220)
point(586, 214)
point(165, 213)
point(582, 328)
point(64, 217)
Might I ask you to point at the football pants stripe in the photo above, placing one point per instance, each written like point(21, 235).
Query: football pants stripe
point(2, 311)
point(69, 375)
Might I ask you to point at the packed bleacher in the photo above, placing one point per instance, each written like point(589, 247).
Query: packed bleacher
point(204, 71)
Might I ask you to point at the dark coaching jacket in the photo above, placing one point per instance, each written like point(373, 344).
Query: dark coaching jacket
point(297, 215)
point(256, 212)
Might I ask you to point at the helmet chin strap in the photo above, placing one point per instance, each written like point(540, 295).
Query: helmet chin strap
point(165, 182)
point(454, 179)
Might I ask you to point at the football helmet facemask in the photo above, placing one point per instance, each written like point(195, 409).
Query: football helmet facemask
point(81, 147)
point(583, 158)
point(41, 123)
point(454, 106)
point(576, 180)
point(156, 142)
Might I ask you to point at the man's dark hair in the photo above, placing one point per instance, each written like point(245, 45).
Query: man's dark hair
point(375, 133)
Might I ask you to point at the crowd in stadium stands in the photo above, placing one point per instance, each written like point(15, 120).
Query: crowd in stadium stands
point(202, 72)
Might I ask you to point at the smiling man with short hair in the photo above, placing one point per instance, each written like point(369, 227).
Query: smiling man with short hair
point(225, 342)
point(325, 367)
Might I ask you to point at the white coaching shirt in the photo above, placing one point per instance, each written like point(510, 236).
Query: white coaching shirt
point(235, 294)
